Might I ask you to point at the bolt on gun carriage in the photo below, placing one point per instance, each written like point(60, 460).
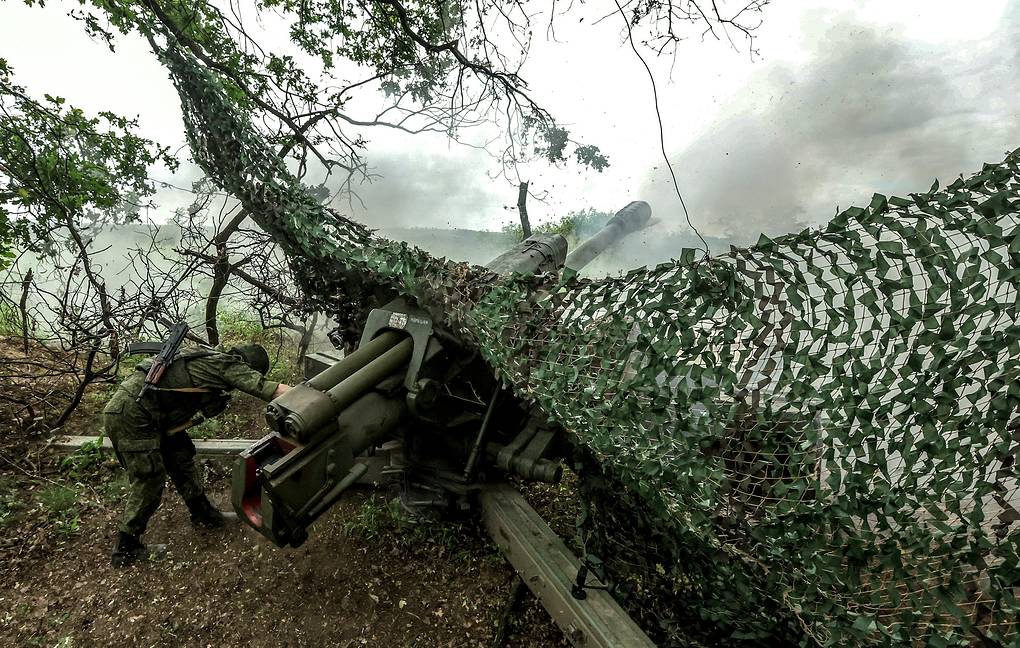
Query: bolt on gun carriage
point(443, 420)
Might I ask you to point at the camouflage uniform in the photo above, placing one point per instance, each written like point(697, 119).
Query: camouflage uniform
point(138, 430)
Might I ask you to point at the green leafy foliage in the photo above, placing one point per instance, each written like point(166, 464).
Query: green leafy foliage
point(551, 143)
point(62, 507)
point(575, 226)
point(83, 462)
point(10, 318)
point(10, 503)
point(378, 519)
point(60, 166)
point(6, 251)
point(434, 60)
point(234, 153)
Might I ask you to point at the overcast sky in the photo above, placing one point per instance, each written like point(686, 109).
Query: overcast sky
point(845, 99)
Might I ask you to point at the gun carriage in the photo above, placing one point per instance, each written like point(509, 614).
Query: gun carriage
point(411, 403)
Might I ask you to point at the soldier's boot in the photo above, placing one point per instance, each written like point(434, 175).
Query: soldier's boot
point(129, 549)
point(207, 516)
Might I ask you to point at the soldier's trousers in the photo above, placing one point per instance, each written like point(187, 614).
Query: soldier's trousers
point(148, 457)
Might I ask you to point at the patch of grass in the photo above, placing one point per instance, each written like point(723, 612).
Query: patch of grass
point(59, 499)
point(10, 318)
point(208, 429)
point(284, 368)
point(10, 504)
point(372, 520)
point(115, 488)
point(97, 395)
point(444, 534)
point(62, 508)
point(226, 425)
point(575, 226)
point(238, 328)
point(128, 363)
point(376, 519)
point(85, 461)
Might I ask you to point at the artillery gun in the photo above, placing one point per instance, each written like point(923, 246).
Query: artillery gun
point(412, 403)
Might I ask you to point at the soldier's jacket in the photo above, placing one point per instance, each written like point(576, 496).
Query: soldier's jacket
point(161, 409)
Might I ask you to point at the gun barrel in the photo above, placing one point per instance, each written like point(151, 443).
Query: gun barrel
point(626, 221)
point(307, 421)
point(535, 254)
point(281, 486)
point(355, 361)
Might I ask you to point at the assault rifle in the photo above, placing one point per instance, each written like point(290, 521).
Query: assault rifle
point(164, 357)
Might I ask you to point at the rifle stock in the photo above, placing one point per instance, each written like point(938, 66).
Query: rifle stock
point(166, 355)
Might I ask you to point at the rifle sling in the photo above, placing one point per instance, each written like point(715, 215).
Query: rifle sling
point(185, 426)
point(186, 390)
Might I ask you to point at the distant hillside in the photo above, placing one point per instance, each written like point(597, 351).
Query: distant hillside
point(647, 247)
point(473, 246)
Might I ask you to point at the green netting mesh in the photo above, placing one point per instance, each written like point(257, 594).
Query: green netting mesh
point(814, 433)
point(830, 410)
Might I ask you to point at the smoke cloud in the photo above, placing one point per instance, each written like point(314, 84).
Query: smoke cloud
point(868, 112)
point(426, 189)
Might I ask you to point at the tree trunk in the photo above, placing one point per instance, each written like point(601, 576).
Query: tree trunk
point(221, 275)
point(522, 207)
point(306, 339)
point(26, 284)
point(79, 392)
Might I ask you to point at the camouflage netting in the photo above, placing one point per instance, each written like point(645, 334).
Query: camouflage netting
point(823, 419)
point(815, 433)
point(340, 265)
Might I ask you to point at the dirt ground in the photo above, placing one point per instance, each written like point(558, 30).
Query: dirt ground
point(365, 576)
point(361, 578)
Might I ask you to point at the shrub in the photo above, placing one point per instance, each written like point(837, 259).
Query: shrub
point(62, 507)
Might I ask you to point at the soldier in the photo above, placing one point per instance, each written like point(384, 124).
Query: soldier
point(150, 440)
